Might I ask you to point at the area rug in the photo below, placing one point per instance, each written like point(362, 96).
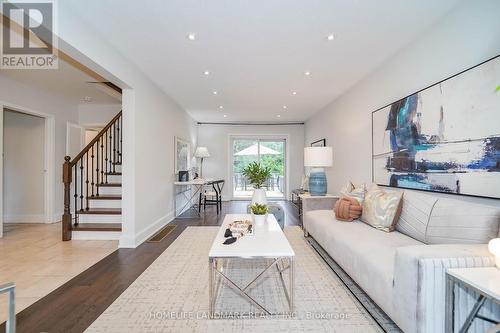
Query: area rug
point(172, 294)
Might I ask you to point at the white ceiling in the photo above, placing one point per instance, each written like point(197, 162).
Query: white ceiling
point(258, 50)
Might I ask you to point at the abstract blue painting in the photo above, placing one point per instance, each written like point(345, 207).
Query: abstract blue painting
point(445, 138)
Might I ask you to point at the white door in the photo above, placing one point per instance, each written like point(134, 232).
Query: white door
point(75, 139)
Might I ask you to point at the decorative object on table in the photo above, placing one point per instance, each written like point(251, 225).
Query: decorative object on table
point(318, 158)
point(305, 183)
point(445, 138)
point(494, 248)
point(319, 143)
point(351, 191)
point(347, 209)
point(381, 209)
point(201, 153)
point(257, 175)
point(259, 213)
point(183, 176)
point(236, 230)
point(276, 210)
point(182, 155)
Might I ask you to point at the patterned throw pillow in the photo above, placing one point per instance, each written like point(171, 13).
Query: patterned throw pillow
point(381, 209)
point(347, 209)
point(351, 191)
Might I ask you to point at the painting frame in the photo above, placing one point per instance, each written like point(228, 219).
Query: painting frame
point(319, 143)
point(374, 155)
point(182, 155)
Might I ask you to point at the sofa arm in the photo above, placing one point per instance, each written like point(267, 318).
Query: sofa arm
point(419, 283)
point(317, 203)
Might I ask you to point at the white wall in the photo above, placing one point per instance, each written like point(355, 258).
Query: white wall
point(150, 121)
point(467, 36)
point(19, 96)
point(216, 139)
point(23, 168)
point(97, 114)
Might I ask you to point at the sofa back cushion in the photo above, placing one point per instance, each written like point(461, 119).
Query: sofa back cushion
point(454, 221)
point(434, 220)
point(415, 214)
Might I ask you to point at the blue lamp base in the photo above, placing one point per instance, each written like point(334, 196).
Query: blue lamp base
point(317, 182)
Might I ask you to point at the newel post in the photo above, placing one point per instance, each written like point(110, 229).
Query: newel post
point(66, 218)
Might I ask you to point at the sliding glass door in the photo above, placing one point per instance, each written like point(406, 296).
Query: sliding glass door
point(268, 152)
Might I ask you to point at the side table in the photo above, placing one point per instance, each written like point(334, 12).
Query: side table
point(483, 280)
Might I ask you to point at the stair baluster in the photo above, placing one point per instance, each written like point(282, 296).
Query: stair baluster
point(99, 164)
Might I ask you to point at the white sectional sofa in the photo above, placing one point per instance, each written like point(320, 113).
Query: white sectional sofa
point(403, 271)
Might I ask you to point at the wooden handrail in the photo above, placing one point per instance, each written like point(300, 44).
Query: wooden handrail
point(94, 140)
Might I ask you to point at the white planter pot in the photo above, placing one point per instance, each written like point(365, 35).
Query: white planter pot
point(259, 220)
point(259, 196)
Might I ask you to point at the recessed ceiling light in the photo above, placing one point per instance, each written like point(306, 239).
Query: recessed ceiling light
point(206, 72)
point(285, 107)
point(225, 116)
point(221, 107)
point(330, 37)
point(307, 73)
point(191, 36)
point(294, 93)
point(214, 92)
point(87, 99)
point(279, 116)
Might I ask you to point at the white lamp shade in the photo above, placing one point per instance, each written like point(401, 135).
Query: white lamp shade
point(318, 157)
point(494, 248)
point(201, 152)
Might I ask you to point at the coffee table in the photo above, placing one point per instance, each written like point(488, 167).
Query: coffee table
point(268, 242)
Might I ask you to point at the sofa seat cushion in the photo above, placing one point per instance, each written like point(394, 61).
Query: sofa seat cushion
point(365, 253)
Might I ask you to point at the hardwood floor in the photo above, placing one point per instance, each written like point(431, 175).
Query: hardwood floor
point(76, 304)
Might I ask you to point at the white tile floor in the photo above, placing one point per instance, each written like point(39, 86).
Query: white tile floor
point(34, 257)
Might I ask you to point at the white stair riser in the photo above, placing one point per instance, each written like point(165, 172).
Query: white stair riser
point(114, 179)
point(105, 203)
point(95, 235)
point(99, 218)
point(110, 190)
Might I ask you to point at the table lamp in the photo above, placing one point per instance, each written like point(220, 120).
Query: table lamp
point(318, 158)
point(201, 153)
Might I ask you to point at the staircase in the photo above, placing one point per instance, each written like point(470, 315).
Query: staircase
point(93, 187)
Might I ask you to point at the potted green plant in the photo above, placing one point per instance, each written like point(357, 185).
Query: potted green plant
point(259, 213)
point(257, 175)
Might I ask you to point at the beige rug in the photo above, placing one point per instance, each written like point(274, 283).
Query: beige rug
point(172, 294)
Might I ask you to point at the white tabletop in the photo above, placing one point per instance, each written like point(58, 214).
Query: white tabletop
point(268, 241)
point(197, 181)
point(484, 279)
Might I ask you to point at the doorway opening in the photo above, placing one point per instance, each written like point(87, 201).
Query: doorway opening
point(24, 167)
point(270, 153)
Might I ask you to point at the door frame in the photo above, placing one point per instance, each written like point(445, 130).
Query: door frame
point(263, 137)
point(49, 163)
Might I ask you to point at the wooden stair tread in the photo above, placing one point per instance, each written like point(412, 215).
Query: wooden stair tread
point(110, 185)
point(97, 227)
point(113, 173)
point(103, 211)
point(105, 197)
